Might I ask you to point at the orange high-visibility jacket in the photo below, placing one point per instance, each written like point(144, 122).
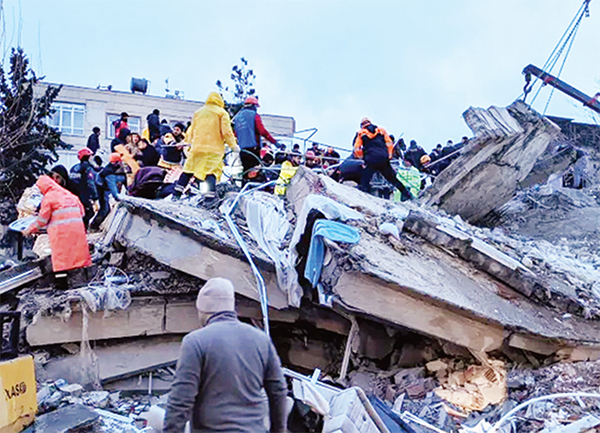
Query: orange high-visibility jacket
point(62, 213)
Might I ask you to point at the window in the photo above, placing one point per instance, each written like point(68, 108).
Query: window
point(67, 118)
point(133, 122)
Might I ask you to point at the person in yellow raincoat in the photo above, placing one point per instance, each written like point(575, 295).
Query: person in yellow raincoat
point(207, 135)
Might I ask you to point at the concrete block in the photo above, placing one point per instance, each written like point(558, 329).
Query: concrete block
point(75, 417)
point(507, 144)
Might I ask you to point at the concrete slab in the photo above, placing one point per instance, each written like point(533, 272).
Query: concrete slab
point(432, 292)
point(507, 144)
point(144, 317)
point(116, 361)
point(75, 417)
point(172, 235)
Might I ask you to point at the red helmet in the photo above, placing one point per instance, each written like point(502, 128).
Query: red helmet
point(251, 100)
point(84, 152)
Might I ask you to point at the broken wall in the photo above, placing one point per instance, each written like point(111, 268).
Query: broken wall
point(507, 144)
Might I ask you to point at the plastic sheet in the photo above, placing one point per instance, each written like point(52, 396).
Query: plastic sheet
point(268, 224)
point(30, 201)
point(107, 295)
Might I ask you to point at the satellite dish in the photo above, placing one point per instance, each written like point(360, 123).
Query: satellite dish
point(139, 85)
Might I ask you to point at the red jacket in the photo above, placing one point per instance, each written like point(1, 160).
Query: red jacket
point(62, 213)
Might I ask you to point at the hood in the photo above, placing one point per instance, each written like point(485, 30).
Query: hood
point(215, 99)
point(45, 184)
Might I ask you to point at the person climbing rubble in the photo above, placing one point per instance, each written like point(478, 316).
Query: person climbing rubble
point(373, 144)
point(288, 170)
point(207, 135)
point(84, 176)
point(108, 182)
point(249, 129)
point(222, 371)
point(61, 213)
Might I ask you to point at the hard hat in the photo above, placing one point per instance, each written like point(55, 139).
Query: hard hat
point(114, 157)
point(251, 100)
point(84, 152)
point(425, 159)
point(365, 121)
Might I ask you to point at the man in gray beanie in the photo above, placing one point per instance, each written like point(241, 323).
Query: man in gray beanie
point(222, 371)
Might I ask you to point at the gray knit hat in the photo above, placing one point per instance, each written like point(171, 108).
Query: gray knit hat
point(215, 296)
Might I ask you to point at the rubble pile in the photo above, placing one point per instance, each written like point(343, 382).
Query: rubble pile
point(440, 323)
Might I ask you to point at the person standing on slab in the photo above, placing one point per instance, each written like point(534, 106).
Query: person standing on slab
point(222, 371)
point(61, 214)
point(373, 144)
point(207, 135)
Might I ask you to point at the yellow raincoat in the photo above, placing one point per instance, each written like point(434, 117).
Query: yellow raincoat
point(207, 135)
point(288, 170)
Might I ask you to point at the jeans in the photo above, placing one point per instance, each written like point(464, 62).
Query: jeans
point(112, 181)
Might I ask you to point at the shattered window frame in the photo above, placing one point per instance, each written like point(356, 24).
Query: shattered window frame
point(134, 123)
point(68, 118)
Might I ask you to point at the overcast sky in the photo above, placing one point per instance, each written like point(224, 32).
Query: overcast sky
point(413, 67)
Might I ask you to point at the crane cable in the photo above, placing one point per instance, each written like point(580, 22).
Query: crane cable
point(567, 38)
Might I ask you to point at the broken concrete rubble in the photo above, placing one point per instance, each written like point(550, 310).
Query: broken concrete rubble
point(506, 145)
point(412, 283)
point(439, 281)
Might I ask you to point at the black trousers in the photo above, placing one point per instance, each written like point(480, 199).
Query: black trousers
point(387, 172)
point(250, 158)
point(185, 178)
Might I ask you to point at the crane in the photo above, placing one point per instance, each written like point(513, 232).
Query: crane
point(591, 102)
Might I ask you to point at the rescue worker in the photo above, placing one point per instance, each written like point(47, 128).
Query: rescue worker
point(153, 120)
point(207, 135)
point(288, 170)
point(84, 176)
point(108, 182)
point(62, 214)
point(425, 160)
point(224, 370)
point(60, 175)
point(249, 129)
point(148, 156)
point(93, 142)
point(414, 154)
point(121, 123)
point(375, 147)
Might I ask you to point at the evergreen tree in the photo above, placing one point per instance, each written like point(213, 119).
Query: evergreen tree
point(27, 143)
point(243, 86)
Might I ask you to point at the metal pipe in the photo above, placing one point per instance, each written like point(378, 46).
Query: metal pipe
point(260, 282)
point(511, 413)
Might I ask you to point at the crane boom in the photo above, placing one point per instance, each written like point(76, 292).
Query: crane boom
point(591, 102)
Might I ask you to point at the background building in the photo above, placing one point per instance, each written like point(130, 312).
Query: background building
point(79, 109)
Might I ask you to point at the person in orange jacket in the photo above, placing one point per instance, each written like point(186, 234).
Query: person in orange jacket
point(62, 214)
point(374, 146)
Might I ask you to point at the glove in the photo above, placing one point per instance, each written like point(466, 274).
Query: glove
point(236, 149)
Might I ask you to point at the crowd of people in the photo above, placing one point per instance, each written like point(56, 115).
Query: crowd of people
point(169, 160)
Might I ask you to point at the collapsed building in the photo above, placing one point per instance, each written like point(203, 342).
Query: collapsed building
point(362, 289)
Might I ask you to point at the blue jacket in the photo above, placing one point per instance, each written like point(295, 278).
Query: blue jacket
point(244, 126)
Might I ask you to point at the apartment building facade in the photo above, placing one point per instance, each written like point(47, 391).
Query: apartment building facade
point(80, 109)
